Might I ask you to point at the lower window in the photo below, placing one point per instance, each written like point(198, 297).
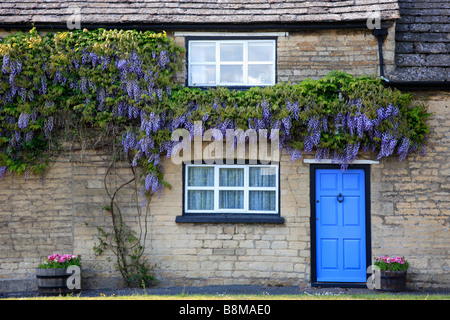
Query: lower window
point(237, 192)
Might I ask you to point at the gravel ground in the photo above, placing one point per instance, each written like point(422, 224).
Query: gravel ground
point(228, 290)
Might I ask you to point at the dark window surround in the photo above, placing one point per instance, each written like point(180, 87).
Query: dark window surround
point(312, 187)
point(216, 38)
point(229, 217)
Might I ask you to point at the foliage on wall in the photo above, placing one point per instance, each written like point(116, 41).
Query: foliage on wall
point(125, 79)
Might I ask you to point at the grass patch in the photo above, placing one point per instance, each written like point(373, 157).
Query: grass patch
point(377, 296)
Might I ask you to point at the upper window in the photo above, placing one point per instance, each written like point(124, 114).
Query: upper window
point(231, 62)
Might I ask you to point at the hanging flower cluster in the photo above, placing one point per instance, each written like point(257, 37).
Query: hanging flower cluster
point(97, 78)
point(128, 78)
point(359, 115)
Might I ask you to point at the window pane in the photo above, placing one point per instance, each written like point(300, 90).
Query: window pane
point(231, 52)
point(260, 74)
point(231, 74)
point(260, 51)
point(203, 75)
point(200, 200)
point(262, 200)
point(262, 177)
point(231, 199)
point(231, 177)
point(203, 52)
point(201, 176)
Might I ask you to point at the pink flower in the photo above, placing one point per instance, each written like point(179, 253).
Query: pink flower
point(61, 258)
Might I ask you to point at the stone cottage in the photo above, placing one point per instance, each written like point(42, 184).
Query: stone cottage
point(398, 208)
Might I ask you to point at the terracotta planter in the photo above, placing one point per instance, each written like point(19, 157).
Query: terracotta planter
point(51, 282)
point(393, 280)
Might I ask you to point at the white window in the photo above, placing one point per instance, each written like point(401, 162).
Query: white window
point(231, 62)
point(231, 189)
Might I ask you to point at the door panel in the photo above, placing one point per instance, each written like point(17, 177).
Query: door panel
point(340, 225)
point(329, 254)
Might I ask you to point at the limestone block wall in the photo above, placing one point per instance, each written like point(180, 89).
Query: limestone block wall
point(58, 213)
point(205, 253)
point(315, 53)
point(411, 203)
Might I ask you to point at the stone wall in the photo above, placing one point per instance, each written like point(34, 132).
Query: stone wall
point(203, 253)
point(314, 53)
point(411, 203)
point(62, 212)
point(59, 213)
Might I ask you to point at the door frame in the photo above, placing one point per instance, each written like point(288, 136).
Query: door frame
point(312, 188)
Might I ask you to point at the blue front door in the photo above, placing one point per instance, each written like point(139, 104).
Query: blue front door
point(340, 225)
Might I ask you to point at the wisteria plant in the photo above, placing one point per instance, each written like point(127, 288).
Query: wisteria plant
point(124, 86)
point(127, 80)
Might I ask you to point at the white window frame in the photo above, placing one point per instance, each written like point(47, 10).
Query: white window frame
point(245, 63)
point(246, 188)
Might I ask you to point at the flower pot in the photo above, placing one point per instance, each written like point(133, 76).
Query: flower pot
point(393, 280)
point(53, 282)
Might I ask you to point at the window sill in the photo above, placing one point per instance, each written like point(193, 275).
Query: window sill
point(230, 218)
point(231, 88)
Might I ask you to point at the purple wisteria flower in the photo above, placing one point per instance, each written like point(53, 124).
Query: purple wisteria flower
point(151, 182)
point(388, 143)
point(5, 64)
point(321, 154)
point(314, 133)
point(59, 78)
point(293, 109)
point(24, 118)
point(15, 139)
point(286, 121)
point(296, 154)
point(163, 59)
point(145, 145)
point(105, 61)
point(159, 93)
point(22, 93)
point(129, 141)
point(266, 111)
point(30, 95)
point(29, 136)
point(351, 123)
point(325, 124)
point(43, 88)
point(2, 172)
point(404, 148)
point(48, 127)
point(389, 111)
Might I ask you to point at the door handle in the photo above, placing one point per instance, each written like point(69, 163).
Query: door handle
point(340, 198)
